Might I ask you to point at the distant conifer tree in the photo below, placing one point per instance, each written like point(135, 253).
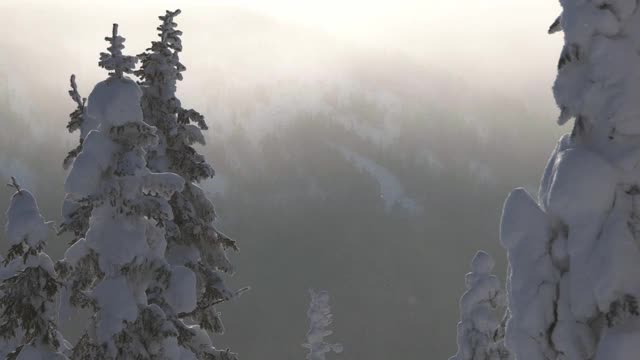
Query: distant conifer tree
point(480, 331)
point(320, 318)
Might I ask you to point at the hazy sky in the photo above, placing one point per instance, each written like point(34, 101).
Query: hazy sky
point(499, 49)
point(492, 44)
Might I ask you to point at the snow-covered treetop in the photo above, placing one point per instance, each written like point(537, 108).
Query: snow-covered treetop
point(480, 332)
point(161, 67)
point(599, 68)
point(114, 61)
point(320, 318)
point(24, 222)
point(115, 102)
point(482, 286)
point(168, 33)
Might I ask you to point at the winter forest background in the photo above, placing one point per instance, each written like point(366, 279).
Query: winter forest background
point(365, 149)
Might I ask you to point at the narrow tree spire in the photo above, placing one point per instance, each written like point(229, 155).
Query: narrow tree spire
point(76, 121)
point(114, 61)
point(168, 33)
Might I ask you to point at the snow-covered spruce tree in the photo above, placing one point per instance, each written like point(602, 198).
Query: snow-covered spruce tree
point(574, 254)
point(29, 286)
point(320, 318)
point(192, 240)
point(480, 331)
point(121, 258)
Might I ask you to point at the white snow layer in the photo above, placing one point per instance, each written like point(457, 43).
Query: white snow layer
point(116, 304)
point(573, 257)
point(24, 222)
point(115, 102)
point(181, 293)
point(90, 165)
point(118, 240)
point(525, 233)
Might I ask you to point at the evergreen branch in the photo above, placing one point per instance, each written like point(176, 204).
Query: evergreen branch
point(14, 184)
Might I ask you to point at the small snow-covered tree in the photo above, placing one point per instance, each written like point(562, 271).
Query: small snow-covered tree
point(193, 242)
point(29, 287)
point(573, 254)
point(480, 331)
point(320, 318)
point(120, 260)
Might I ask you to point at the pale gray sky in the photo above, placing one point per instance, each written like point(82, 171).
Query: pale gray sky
point(493, 44)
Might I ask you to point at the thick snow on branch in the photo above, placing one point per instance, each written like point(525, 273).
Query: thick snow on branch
point(115, 102)
point(24, 221)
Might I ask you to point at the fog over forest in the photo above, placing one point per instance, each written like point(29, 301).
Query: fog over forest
point(361, 149)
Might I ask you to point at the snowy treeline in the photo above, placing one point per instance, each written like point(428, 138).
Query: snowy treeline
point(145, 259)
point(574, 254)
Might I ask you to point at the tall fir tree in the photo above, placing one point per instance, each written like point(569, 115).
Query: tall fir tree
point(192, 239)
point(573, 254)
point(119, 264)
point(29, 287)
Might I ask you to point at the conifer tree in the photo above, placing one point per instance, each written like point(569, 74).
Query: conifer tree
point(573, 254)
point(480, 332)
point(29, 287)
point(192, 240)
point(320, 318)
point(119, 263)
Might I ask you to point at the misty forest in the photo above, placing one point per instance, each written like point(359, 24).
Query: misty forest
point(273, 180)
